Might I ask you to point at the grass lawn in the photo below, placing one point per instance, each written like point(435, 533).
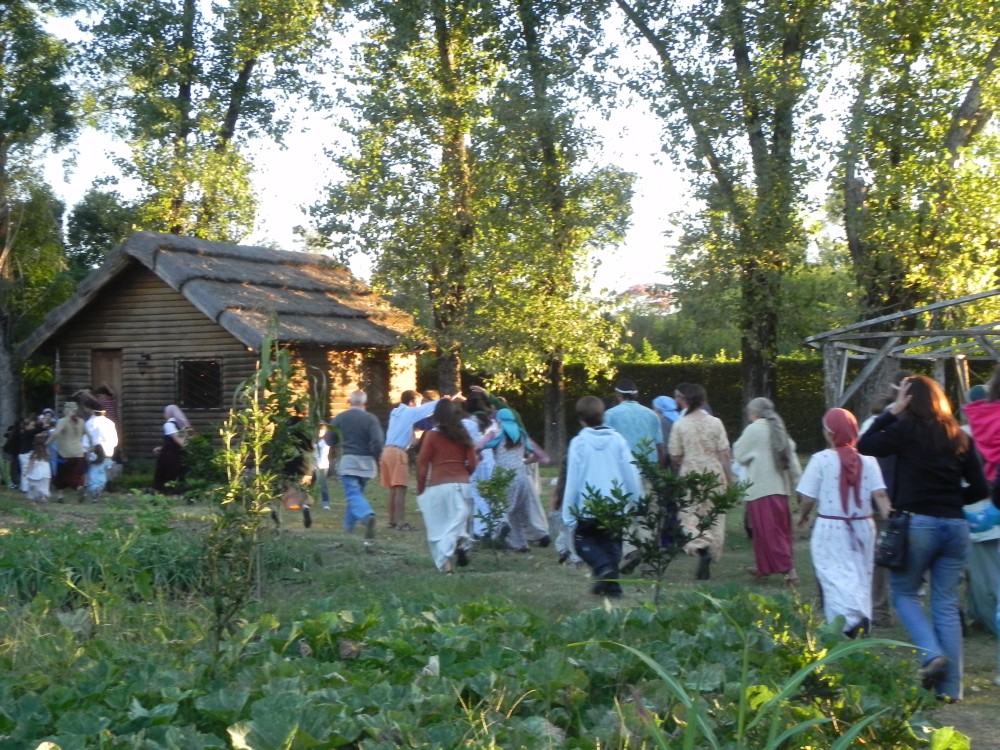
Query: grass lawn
point(335, 566)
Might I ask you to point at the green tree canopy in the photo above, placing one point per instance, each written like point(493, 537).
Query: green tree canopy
point(920, 164)
point(187, 85)
point(729, 81)
point(36, 104)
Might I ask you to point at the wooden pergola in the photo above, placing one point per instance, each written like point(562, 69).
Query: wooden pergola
point(870, 342)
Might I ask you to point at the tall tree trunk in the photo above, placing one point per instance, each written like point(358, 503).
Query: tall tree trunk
point(224, 138)
point(448, 293)
point(770, 219)
point(560, 260)
point(759, 338)
point(555, 410)
point(9, 387)
point(449, 371)
point(9, 392)
point(177, 223)
point(6, 220)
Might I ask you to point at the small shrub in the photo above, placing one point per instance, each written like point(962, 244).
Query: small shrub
point(494, 491)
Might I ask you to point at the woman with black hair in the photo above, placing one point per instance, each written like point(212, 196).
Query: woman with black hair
point(938, 471)
point(446, 461)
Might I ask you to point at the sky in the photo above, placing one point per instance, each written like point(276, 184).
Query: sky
point(290, 179)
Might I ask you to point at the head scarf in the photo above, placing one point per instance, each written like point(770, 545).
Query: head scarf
point(667, 407)
point(977, 392)
point(174, 412)
point(843, 428)
point(509, 425)
point(781, 446)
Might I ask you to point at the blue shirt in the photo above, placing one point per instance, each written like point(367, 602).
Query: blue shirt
point(636, 423)
point(401, 421)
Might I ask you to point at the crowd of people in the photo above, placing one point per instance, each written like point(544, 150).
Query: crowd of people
point(911, 456)
point(74, 452)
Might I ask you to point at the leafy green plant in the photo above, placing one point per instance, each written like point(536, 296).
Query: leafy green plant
point(656, 532)
point(651, 524)
point(494, 491)
point(817, 706)
point(478, 674)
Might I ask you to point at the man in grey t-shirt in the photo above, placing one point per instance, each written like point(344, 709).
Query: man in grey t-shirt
point(360, 437)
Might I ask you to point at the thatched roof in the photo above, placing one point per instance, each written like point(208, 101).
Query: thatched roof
point(247, 290)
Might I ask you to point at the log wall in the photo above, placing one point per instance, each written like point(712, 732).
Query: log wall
point(139, 314)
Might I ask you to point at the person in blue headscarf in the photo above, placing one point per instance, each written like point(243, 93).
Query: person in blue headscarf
point(666, 408)
point(512, 449)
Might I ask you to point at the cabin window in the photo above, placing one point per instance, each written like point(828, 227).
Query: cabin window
point(199, 383)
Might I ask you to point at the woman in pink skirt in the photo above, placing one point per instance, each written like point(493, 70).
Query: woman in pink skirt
point(773, 470)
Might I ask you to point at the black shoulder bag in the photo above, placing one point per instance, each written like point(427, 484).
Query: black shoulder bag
point(891, 542)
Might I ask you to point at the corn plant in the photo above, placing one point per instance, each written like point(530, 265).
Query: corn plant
point(765, 718)
point(262, 432)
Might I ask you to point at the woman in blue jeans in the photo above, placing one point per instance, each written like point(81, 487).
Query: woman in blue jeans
point(938, 471)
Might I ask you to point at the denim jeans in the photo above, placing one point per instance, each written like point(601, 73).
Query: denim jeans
point(601, 551)
point(319, 479)
point(358, 508)
point(937, 546)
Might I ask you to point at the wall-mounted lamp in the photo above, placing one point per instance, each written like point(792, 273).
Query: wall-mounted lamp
point(143, 363)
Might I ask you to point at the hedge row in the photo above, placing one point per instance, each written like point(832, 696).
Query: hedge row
point(800, 399)
point(800, 394)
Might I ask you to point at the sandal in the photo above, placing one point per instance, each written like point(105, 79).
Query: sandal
point(791, 579)
point(756, 573)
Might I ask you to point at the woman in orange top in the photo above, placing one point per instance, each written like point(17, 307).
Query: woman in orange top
point(447, 458)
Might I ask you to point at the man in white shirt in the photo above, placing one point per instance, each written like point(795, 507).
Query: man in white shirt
point(100, 432)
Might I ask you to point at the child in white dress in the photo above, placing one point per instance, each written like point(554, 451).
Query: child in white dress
point(39, 472)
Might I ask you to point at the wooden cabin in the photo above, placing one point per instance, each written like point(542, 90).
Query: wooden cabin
point(178, 320)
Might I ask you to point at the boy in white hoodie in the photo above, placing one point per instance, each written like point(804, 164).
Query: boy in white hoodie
point(598, 459)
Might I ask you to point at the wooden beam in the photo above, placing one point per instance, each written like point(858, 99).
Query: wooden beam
point(930, 357)
point(941, 333)
point(935, 339)
point(962, 376)
point(955, 350)
point(904, 314)
point(831, 361)
point(855, 347)
point(866, 371)
point(989, 347)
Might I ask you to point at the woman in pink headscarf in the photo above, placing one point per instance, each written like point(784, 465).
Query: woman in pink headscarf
point(842, 485)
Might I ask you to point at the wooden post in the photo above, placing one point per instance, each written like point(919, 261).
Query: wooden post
point(962, 377)
point(939, 371)
point(831, 374)
point(873, 364)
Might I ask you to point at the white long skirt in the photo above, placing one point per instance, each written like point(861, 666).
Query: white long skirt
point(844, 561)
point(446, 509)
point(484, 470)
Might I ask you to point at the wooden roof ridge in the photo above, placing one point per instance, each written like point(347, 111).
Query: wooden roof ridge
point(116, 262)
point(226, 282)
point(861, 325)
